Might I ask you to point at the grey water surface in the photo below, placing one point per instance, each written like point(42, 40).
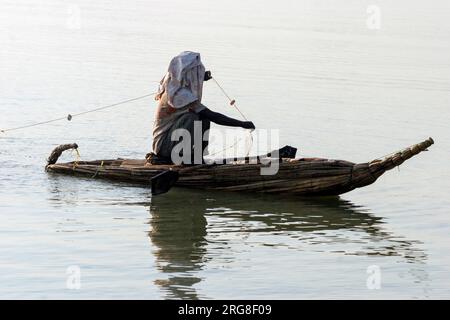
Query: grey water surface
point(334, 81)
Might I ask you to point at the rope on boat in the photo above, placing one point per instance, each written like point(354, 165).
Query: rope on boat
point(98, 169)
point(69, 117)
point(77, 158)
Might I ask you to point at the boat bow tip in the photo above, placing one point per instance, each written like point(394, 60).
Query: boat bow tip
point(396, 159)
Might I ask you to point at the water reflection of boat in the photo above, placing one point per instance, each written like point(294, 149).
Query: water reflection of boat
point(186, 237)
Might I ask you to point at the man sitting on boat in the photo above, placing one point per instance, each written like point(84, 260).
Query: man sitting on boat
point(179, 107)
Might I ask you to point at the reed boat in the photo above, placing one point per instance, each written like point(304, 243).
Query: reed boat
point(295, 176)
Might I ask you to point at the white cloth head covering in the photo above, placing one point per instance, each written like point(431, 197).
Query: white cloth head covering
point(183, 81)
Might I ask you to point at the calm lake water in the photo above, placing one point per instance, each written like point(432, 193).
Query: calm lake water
point(322, 72)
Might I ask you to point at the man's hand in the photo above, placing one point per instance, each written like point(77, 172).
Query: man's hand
point(223, 120)
point(248, 125)
point(207, 76)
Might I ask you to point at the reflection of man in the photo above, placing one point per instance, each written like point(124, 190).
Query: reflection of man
point(178, 237)
point(180, 106)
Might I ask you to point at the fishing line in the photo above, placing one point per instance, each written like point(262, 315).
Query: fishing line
point(69, 117)
point(233, 103)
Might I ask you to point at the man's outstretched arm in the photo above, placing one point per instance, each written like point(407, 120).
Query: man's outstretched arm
point(223, 120)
